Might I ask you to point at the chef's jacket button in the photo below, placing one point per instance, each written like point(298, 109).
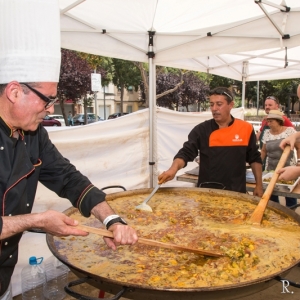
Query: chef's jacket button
point(1, 148)
point(9, 215)
point(28, 204)
point(10, 256)
point(6, 243)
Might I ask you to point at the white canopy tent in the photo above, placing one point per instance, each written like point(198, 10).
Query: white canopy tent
point(183, 34)
point(180, 29)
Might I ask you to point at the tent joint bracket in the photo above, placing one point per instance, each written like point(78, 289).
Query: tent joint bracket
point(151, 53)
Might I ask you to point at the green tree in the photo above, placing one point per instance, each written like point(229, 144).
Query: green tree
point(75, 80)
point(176, 89)
point(124, 74)
point(286, 91)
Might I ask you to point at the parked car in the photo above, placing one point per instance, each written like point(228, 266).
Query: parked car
point(79, 119)
point(50, 121)
point(59, 118)
point(116, 115)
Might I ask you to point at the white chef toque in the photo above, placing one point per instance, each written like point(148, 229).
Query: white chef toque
point(29, 41)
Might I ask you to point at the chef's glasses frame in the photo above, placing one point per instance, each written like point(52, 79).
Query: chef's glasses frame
point(49, 101)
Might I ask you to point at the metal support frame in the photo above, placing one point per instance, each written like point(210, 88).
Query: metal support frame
point(282, 8)
point(244, 76)
point(152, 103)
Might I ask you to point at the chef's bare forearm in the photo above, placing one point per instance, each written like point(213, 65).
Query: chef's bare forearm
point(50, 221)
point(178, 163)
point(102, 210)
point(257, 172)
point(17, 224)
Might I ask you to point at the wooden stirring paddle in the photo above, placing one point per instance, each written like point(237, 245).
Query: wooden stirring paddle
point(144, 241)
point(258, 213)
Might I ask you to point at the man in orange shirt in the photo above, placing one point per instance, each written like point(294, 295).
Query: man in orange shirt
point(225, 145)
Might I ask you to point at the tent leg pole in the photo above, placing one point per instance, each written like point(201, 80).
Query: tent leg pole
point(244, 74)
point(152, 102)
point(151, 106)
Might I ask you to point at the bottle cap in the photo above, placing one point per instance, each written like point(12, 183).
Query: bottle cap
point(34, 261)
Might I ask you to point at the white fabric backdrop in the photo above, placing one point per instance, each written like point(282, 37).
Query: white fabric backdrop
point(112, 152)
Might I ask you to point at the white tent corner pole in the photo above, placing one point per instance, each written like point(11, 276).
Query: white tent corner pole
point(152, 103)
point(244, 76)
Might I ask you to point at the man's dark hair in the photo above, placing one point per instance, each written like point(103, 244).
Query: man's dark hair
point(222, 91)
point(2, 88)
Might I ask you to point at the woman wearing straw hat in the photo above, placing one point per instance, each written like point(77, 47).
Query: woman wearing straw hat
point(271, 150)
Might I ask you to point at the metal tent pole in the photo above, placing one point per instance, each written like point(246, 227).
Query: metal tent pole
point(257, 97)
point(151, 104)
point(244, 76)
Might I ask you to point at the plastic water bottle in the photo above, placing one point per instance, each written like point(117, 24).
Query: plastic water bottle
point(57, 279)
point(33, 280)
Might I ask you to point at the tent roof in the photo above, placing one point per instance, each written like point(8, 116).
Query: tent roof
point(187, 33)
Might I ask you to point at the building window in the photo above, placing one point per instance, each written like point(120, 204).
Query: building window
point(129, 108)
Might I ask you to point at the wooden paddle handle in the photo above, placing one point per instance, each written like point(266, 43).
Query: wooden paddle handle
point(148, 242)
point(258, 213)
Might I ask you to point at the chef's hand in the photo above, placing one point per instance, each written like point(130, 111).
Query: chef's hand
point(289, 173)
point(123, 235)
point(258, 191)
point(58, 224)
point(166, 176)
point(290, 140)
point(178, 163)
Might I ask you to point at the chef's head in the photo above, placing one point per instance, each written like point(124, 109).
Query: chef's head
point(221, 102)
point(30, 58)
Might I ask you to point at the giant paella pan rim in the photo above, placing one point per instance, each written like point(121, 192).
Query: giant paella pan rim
point(278, 208)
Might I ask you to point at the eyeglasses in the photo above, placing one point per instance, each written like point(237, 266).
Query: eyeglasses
point(49, 101)
point(221, 93)
point(272, 98)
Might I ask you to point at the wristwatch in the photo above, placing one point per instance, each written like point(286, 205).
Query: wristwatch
point(115, 220)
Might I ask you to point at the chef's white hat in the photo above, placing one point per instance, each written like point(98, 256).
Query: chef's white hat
point(29, 41)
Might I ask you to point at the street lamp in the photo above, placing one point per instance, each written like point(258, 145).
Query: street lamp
point(106, 94)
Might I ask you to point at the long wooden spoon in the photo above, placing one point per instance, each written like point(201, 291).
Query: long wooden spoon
point(109, 234)
point(258, 213)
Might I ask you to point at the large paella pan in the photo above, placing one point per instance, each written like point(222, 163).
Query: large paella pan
point(198, 218)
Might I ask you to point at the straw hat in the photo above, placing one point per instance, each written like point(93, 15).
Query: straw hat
point(275, 114)
point(29, 41)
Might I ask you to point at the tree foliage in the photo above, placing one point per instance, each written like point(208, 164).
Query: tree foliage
point(192, 90)
point(124, 74)
point(75, 79)
point(174, 87)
